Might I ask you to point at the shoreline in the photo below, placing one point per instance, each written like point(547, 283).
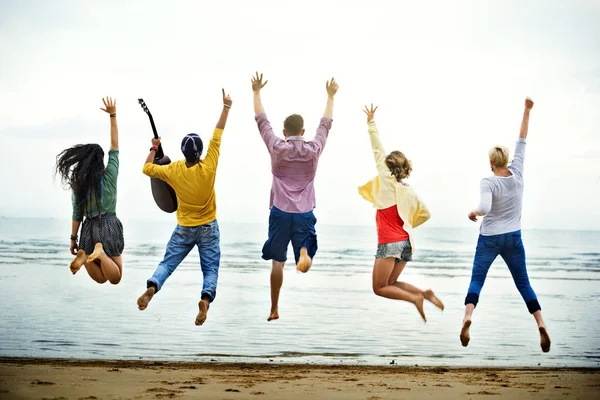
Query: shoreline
point(150, 363)
point(56, 378)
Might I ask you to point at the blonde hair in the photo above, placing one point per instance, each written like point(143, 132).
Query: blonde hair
point(499, 156)
point(399, 166)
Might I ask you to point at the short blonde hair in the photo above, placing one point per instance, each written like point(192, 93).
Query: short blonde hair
point(499, 156)
point(399, 166)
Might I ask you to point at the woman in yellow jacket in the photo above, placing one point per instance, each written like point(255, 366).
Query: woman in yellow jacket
point(399, 210)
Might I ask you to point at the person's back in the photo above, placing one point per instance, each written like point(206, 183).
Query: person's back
point(193, 180)
point(194, 187)
point(500, 231)
point(502, 197)
point(294, 164)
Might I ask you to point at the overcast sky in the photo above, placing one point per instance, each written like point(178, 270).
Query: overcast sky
point(450, 81)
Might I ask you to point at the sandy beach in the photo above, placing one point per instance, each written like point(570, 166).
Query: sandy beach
point(29, 378)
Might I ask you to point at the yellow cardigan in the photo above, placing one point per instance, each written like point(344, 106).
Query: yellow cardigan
point(384, 191)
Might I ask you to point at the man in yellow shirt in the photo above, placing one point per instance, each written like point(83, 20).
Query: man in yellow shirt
point(193, 180)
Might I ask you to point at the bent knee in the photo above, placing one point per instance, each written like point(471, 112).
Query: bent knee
point(115, 281)
point(377, 289)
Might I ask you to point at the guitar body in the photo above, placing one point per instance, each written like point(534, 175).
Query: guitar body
point(164, 195)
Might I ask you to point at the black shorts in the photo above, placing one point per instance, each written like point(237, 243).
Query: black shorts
point(107, 230)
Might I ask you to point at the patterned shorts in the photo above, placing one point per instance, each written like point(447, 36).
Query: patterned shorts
point(402, 251)
point(107, 230)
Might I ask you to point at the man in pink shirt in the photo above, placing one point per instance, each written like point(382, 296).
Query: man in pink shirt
point(294, 165)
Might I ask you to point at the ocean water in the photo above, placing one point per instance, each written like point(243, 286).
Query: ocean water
point(329, 315)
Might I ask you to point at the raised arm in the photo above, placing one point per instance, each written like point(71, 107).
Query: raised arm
point(264, 126)
point(376, 145)
point(214, 147)
point(325, 124)
point(227, 102)
point(258, 84)
point(525, 121)
point(518, 161)
point(111, 108)
point(332, 88)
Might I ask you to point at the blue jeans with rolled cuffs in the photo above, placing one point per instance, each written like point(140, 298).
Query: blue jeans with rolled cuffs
point(183, 240)
point(510, 247)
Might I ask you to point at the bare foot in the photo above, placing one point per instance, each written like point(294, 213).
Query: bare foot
point(544, 339)
point(79, 260)
point(144, 299)
point(98, 253)
point(202, 313)
point(464, 333)
point(430, 296)
point(274, 315)
point(419, 304)
point(304, 262)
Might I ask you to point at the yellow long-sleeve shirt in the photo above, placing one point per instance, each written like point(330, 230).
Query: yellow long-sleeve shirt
point(384, 191)
point(194, 186)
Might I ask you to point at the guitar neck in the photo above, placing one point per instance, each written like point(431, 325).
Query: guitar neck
point(159, 153)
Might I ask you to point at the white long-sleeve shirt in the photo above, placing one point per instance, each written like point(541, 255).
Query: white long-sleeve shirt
point(502, 198)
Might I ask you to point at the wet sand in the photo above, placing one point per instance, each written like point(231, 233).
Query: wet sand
point(29, 378)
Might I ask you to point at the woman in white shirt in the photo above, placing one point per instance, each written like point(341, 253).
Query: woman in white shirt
point(500, 231)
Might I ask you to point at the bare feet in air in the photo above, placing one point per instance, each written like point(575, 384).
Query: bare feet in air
point(304, 262)
point(544, 339)
point(78, 262)
point(144, 299)
point(274, 315)
point(430, 296)
point(98, 253)
point(464, 333)
point(419, 304)
point(202, 313)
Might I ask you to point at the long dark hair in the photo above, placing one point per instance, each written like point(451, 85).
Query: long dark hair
point(81, 168)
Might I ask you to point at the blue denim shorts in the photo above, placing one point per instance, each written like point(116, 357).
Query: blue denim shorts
point(299, 228)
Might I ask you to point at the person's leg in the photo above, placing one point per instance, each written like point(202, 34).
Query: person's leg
point(382, 271)
point(181, 242)
point(94, 271)
point(513, 253)
point(304, 240)
point(486, 252)
point(276, 283)
point(109, 268)
point(210, 258)
point(275, 248)
point(393, 280)
point(78, 262)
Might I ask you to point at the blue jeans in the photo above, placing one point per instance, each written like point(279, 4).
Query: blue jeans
point(510, 247)
point(182, 241)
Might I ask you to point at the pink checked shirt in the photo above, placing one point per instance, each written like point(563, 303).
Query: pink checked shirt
point(294, 166)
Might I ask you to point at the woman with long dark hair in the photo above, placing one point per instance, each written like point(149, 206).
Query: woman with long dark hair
point(94, 198)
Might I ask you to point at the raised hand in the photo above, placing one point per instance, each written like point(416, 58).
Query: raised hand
point(156, 142)
point(257, 83)
point(528, 103)
point(227, 102)
point(110, 105)
point(332, 87)
point(370, 113)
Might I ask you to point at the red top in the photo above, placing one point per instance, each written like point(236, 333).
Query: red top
point(390, 226)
